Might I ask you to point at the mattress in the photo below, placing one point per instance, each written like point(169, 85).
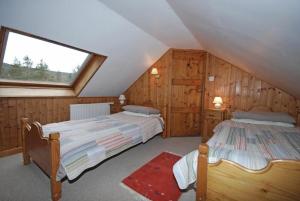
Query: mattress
point(85, 143)
point(249, 145)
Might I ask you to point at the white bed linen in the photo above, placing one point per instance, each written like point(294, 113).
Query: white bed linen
point(248, 145)
point(85, 143)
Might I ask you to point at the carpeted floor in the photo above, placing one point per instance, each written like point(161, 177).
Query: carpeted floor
point(28, 183)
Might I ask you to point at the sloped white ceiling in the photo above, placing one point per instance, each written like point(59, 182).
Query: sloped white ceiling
point(157, 18)
point(260, 36)
point(92, 26)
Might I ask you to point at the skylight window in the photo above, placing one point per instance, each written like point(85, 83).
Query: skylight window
point(34, 60)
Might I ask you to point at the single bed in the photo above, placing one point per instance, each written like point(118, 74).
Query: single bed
point(245, 161)
point(66, 149)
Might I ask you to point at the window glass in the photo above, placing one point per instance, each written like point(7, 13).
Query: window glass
point(30, 59)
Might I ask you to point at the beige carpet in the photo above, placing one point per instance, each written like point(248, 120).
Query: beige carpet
point(28, 183)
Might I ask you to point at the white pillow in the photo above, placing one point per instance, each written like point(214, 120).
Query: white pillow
point(271, 123)
point(140, 109)
point(265, 116)
point(140, 114)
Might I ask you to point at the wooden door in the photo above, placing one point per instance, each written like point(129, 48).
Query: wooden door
point(185, 94)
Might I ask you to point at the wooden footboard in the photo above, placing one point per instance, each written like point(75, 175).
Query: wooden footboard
point(45, 152)
point(226, 180)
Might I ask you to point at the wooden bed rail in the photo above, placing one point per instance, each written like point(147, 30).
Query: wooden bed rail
point(45, 152)
point(25, 128)
point(228, 181)
point(202, 173)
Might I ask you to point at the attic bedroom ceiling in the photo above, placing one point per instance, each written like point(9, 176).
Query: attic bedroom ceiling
point(262, 37)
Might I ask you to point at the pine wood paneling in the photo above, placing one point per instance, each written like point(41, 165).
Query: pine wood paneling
point(147, 90)
point(44, 110)
point(188, 73)
point(177, 93)
point(241, 90)
point(175, 90)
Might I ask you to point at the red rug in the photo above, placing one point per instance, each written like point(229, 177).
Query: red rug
point(155, 180)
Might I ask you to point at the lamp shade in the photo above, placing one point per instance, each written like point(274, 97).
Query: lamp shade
point(122, 98)
point(218, 100)
point(154, 71)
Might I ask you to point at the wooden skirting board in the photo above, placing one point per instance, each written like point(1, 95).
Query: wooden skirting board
point(7, 152)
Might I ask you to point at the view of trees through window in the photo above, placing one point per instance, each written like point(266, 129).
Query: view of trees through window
point(31, 59)
point(25, 70)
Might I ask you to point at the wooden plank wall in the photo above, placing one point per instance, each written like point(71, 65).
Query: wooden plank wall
point(166, 92)
point(149, 91)
point(44, 110)
point(241, 90)
point(159, 93)
point(187, 77)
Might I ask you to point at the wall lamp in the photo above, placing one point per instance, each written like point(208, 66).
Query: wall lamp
point(122, 99)
point(154, 72)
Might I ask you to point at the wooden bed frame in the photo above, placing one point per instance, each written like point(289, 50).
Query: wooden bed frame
point(45, 152)
point(228, 181)
point(224, 180)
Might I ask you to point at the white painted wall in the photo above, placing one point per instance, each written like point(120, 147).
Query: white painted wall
point(157, 18)
point(261, 36)
point(92, 26)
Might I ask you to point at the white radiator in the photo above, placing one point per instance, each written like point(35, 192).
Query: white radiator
point(85, 111)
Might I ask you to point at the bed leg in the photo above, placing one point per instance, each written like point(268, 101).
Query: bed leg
point(55, 189)
point(55, 160)
point(201, 192)
point(25, 127)
point(26, 159)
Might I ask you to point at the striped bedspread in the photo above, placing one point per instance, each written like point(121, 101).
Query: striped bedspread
point(85, 143)
point(249, 145)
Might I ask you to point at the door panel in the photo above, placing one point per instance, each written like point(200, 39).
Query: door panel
point(185, 124)
point(187, 80)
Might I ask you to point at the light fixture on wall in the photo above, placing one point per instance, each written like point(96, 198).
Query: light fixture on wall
point(154, 72)
point(218, 102)
point(122, 99)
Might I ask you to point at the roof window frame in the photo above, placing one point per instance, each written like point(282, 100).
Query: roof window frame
point(19, 88)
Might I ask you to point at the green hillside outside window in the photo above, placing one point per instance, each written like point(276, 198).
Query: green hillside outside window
point(34, 60)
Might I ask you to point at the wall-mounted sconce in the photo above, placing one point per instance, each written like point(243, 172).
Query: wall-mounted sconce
point(154, 72)
point(122, 99)
point(218, 102)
